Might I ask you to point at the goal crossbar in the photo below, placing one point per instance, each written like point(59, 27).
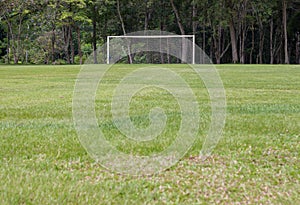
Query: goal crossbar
point(153, 37)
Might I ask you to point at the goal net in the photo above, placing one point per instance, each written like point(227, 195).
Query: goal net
point(151, 48)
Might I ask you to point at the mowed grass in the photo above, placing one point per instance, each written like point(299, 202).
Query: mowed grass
point(256, 161)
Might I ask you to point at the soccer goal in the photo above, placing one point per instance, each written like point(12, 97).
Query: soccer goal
point(151, 49)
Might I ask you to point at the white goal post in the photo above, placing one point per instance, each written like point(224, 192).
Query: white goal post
point(150, 37)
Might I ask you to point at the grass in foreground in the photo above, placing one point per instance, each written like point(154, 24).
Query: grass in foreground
point(257, 160)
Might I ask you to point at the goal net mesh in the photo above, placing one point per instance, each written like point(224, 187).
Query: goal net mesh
point(150, 47)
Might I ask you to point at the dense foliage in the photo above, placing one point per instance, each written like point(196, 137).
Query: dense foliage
point(230, 31)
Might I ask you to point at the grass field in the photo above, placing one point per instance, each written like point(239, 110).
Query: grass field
point(256, 161)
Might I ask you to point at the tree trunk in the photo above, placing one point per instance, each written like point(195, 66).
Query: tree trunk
point(146, 24)
point(168, 52)
point(219, 43)
point(243, 28)
point(278, 52)
point(203, 44)
point(19, 43)
point(271, 42)
point(252, 44)
point(12, 43)
point(79, 45)
point(8, 46)
point(71, 44)
point(162, 28)
point(16, 60)
point(162, 61)
point(67, 42)
point(284, 19)
point(53, 39)
point(26, 56)
point(94, 22)
point(217, 36)
point(298, 48)
point(261, 41)
point(181, 28)
point(242, 45)
point(121, 18)
point(194, 16)
point(148, 14)
point(235, 58)
point(216, 48)
point(124, 32)
point(163, 49)
point(210, 48)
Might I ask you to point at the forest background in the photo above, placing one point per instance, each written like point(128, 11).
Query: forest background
point(229, 31)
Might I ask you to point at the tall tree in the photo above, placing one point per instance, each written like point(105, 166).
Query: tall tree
point(217, 25)
point(284, 22)
point(51, 14)
point(73, 16)
point(232, 17)
point(130, 59)
point(182, 31)
point(93, 7)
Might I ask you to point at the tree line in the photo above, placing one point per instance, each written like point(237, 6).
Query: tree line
point(229, 31)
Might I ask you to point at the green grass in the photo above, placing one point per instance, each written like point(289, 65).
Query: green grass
point(256, 161)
